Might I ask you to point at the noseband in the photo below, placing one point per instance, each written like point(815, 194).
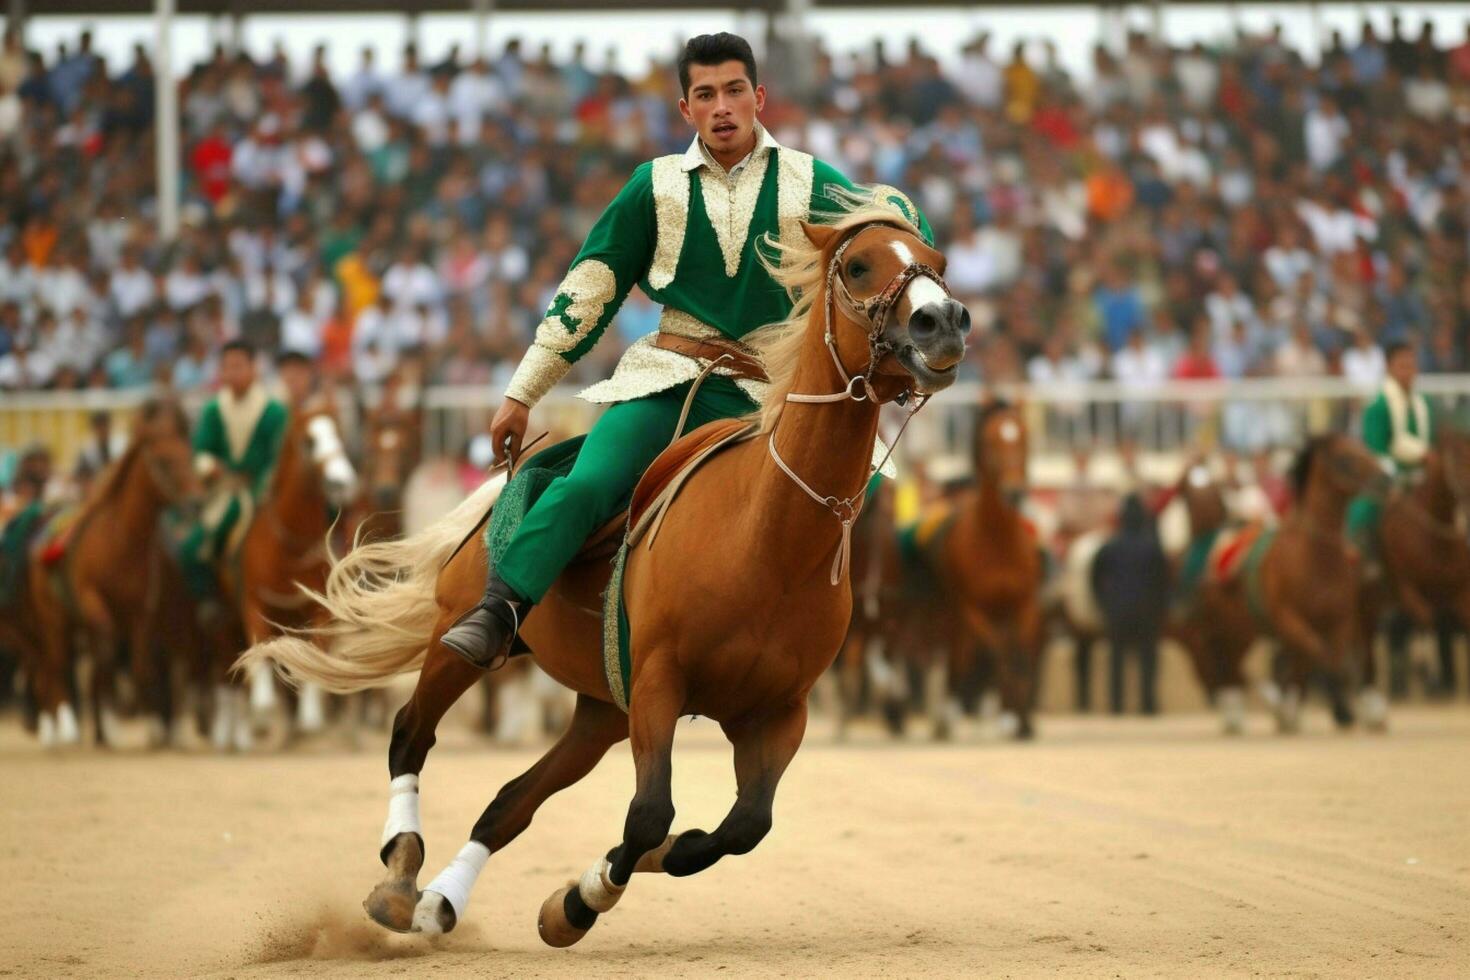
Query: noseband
point(874, 312)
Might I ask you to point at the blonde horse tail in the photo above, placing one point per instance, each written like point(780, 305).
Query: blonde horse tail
point(378, 607)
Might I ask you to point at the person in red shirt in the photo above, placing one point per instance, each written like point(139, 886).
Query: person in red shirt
point(210, 162)
point(1459, 59)
point(1198, 363)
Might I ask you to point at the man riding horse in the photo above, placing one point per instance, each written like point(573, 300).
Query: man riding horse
point(685, 229)
point(235, 445)
point(1398, 428)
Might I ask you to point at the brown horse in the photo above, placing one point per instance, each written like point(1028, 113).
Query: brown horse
point(283, 552)
point(1426, 556)
point(734, 614)
point(107, 581)
point(1296, 584)
point(989, 571)
point(392, 447)
point(869, 667)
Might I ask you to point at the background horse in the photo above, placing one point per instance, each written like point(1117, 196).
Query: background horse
point(392, 447)
point(1426, 557)
point(989, 568)
point(872, 668)
point(1297, 584)
point(283, 552)
point(744, 540)
point(105, 583)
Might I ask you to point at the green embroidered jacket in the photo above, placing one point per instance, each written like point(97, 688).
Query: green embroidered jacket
point(258, 457)
point(686, 232)
point(1378, 429)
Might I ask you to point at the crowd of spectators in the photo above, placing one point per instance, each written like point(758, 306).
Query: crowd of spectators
point(1186, 213)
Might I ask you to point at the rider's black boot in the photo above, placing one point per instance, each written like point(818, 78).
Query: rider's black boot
point(482, 636)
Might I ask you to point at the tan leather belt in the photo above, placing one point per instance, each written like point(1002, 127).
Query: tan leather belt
point(739, 362)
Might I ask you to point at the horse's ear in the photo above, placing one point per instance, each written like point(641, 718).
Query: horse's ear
point(819, 235)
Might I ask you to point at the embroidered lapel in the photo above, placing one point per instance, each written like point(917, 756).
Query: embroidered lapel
point(671, 213)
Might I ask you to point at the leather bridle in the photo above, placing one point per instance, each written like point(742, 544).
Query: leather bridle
point(873, 313)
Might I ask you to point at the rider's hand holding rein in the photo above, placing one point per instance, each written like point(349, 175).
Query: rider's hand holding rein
point(510, 422)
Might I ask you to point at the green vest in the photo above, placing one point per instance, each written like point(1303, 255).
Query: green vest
point(1378, 430)
point(258, 456)
point(687, 233)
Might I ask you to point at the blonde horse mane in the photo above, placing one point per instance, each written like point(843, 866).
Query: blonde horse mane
point(801, 268)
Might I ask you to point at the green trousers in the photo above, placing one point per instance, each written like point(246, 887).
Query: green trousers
point(622, 444)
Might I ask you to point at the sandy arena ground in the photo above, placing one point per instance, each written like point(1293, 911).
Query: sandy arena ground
point(1109, 848)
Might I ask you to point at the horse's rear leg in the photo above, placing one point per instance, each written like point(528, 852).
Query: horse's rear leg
point(444, 677)
point(657, 701)
point(596, 726)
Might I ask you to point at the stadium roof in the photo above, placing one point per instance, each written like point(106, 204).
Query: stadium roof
point(247, 8)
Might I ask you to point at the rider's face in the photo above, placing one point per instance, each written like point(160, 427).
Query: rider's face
point(722, 104)
point(1402, 367)
point(236, 371)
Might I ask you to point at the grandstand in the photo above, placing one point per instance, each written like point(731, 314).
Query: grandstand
point(1185, 216)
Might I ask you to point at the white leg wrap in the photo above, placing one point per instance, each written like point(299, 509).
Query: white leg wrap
point(597, 889)
point(157, 734)
point(1289, 713)
point(46, 730)
point(107, 720)
point(311, 714)
point(68, 732)
point(456, 880)
point(244, 735)
point(1232, 709)
point(1374, 707)
point(220, 729)
point(262, 689)
point(403, 808)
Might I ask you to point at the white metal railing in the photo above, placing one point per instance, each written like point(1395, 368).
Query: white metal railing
point(1167, 417)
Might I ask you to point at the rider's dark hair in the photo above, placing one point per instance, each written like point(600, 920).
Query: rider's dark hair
point(240, 344)
point(715, 49)
point(1396, 348)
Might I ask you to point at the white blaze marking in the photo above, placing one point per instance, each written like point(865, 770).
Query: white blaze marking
point(1010, 431)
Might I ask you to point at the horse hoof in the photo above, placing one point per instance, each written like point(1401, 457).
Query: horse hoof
point(393, 905)
point(555, 928)
point(433, 915)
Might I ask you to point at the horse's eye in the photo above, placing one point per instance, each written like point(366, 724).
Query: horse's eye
point(856, 269)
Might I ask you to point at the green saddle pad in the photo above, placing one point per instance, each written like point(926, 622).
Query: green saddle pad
point(510, 510)
point(523, 490)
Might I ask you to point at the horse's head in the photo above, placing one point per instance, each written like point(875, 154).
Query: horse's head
point(1001, 450)
point(162, 434)
point(316, 435)
point(390, 453)
point(1203, 498)
point(890, 318)
point(1342, 465)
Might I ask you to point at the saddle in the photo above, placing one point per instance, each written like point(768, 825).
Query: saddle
point(57, 535)
point(1228, 557)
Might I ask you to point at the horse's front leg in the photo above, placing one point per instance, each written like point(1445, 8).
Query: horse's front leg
point(1304, 647)
point(762, 752)
point(657, 701)
point(443, 678)
point(149, 678)
point(596, 726)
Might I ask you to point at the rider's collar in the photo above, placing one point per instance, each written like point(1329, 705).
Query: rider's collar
point(698, 156)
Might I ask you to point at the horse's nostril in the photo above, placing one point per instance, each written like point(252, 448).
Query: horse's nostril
point(923, 322)
point(964, 320)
